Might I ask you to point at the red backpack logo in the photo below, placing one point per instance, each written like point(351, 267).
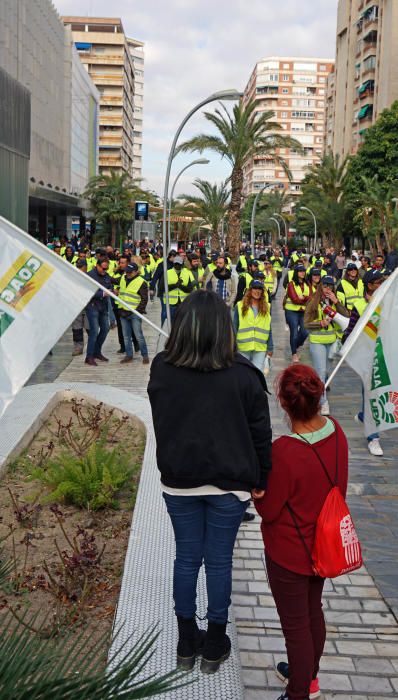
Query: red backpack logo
point(336, 549)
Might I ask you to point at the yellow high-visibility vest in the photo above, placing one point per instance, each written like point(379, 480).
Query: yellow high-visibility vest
point(323, 336)
point(253, 331)
point(128, 291)
point(352, 294)
point(177, 295)
point(290, 305)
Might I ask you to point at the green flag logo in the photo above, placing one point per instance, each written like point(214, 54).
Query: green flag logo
point(380, 375)
point(5, 321)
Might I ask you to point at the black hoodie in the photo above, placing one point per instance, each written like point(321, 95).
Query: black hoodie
point(212, 428)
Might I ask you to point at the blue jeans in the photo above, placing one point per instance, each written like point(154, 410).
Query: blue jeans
point(163, 313)
point(361, 418)
point(257, 357)
point(205, 529)
point(98, 320)
point(298, 334)
point(321, 363)
point(112, 317)
point(133, 324)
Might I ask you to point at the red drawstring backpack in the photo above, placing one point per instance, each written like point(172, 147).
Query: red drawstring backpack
point(336, 549)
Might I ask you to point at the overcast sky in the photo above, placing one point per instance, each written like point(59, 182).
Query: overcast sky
point(195, 48)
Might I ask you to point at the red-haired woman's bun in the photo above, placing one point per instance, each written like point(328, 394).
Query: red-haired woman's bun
point(299, 391)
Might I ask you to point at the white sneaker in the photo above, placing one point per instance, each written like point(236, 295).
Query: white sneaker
point(374, 448)
point(295, 358)
point(325, 410)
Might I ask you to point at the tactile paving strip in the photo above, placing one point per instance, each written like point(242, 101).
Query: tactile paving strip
point(146, 591)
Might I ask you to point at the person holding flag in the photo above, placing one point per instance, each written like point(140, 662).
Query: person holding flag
point(372, 281)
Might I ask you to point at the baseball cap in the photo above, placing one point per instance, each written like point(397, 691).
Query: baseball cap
point(132, 267)
point(254, 262)
point(194, 256)
point(328, 280)
point(256, 284)
point(82, 262)
point(299, 267)
point(178, 260)
point(318, 263)
point(372, 276)
point(214, 256)
point(315, 271)
point(351, 266)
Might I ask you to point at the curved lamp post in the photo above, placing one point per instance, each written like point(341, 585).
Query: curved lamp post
point(284, 223)
point(272, 218)
point(315, 227)
point(198, 161)
point(257, 197)
point(222, 95)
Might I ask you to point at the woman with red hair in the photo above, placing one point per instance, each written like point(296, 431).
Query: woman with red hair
point(296, 491)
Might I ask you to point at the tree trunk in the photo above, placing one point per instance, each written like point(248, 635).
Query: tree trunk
point(113, 234)
point(233, 235)
point(215, 239)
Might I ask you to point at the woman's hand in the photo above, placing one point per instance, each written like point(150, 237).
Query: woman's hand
point(257, 494)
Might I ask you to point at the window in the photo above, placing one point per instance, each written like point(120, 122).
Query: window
point(285, 78)
point(303, 115)
point(285, 103)
point(286, 65)
point(305, 66)
point(322, 67)
point(321, 91)
point(285, 91)
point(297, 126)
point(322, 79)
point(284, 115)
point(369, 63)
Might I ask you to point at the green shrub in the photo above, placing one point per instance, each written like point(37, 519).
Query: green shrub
point(90, 481)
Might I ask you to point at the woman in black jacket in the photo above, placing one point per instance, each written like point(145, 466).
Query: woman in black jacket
point(211, 419)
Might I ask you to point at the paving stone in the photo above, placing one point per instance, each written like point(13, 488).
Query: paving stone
point(266, 614)
point(344, 604)
point(370, 684)
point(369, 618)
point(346, 618)
point(362, 592)
point(258, 587)
point(272, 644)
point(254, 678)
point(374, 605)
point(334, 681)
point(266, 601)
point(248, 642)
point(386, 649)
point(357, 648)
point(240, 587)
point(256, 659)
point(239, 599)
point(377, 666)
point(337, 663)
point(255, 564)
point(243, 612)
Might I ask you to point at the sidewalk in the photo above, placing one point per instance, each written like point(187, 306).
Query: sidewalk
point(361, 659)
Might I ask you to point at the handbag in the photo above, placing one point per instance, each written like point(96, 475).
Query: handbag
point(336, 549)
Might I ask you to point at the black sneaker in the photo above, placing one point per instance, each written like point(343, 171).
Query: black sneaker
point(284, 696)
point(282, 671)
point(248, 517)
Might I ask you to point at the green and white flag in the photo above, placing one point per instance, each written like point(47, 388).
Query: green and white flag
point(372, 351)
point(381, 390)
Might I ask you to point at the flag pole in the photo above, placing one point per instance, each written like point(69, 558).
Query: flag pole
point(362, 322)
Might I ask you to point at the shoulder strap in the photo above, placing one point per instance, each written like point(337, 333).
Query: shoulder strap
point(332, 483)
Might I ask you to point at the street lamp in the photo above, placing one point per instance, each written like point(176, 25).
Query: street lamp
point(222, 95)
point(315, 228)
point(284, 223)
point(271, 218)
point(198, 161)
point(257, 197)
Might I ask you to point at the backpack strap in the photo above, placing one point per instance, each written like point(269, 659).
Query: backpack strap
point(331, 482)
point(300, 534)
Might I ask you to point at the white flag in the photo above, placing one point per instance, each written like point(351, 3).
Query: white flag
point(372, 351)
point(40, 295)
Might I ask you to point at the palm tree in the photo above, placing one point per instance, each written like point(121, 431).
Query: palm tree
point(241, 135)
point(377, 212)
point(211, 207)
point(34, 665)
point(324, 192)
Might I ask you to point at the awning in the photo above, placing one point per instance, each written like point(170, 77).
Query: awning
point(364, 111)
point(368, 85)
point(362, 131)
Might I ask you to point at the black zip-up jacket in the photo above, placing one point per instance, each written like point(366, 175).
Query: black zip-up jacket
point(98, 300)
point(212, 428)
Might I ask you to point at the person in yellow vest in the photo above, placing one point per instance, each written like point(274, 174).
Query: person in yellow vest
point(277, 264)
point(252, 321)
point(70, 255)
point(313, 279)
point(134, 291)
point(148, 266)
point(245, 278)
point(270, 279)
point(194, 264)
point(372, 281)
point(351, 287)
point(322, 330)
point(244, 261)
point(181, 283)
point(297, 295)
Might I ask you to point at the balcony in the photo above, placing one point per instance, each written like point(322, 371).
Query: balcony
point(367, 89)
point(365, 113)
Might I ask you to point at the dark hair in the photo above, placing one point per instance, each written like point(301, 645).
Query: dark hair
point(202, 336)
point(295, 277)
point(299, 391)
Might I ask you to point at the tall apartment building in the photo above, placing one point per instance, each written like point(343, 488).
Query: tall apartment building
point(295, 90)
point(137, 54)
point(105, 54)
point(366, 73)
point(37, 51)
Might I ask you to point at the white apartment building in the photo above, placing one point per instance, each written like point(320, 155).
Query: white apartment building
point(136, 49)
point(295, 90)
